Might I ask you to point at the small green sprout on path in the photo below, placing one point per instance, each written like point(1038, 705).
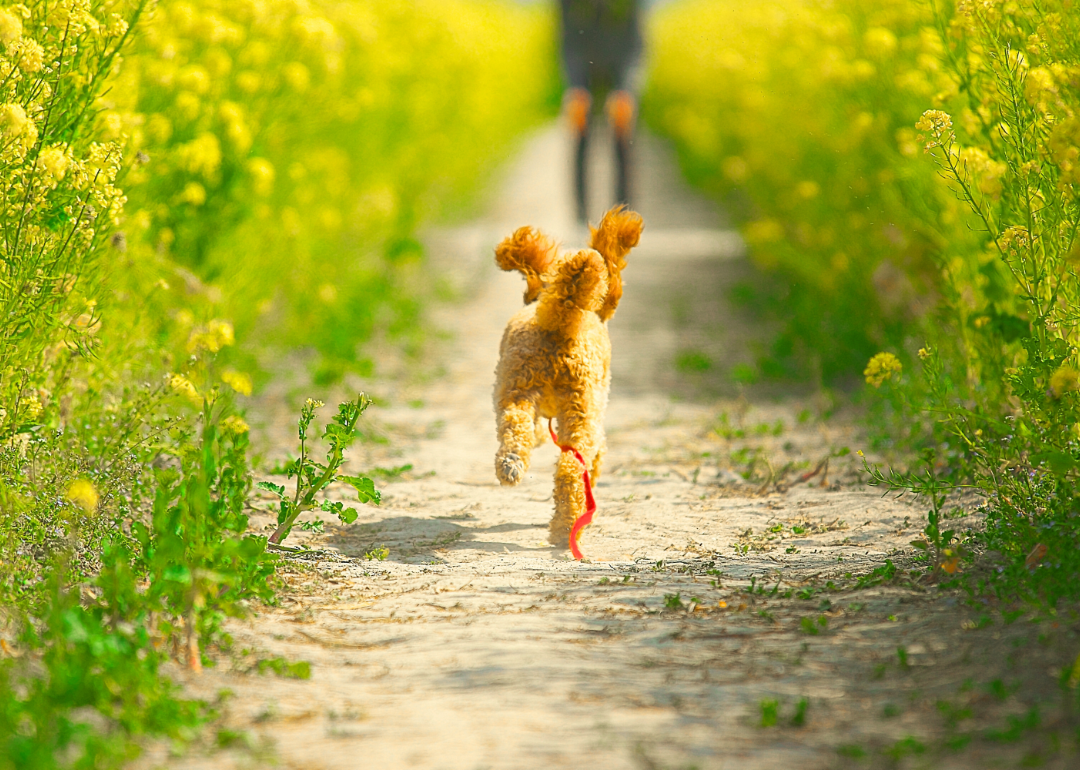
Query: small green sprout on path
point(313, 477)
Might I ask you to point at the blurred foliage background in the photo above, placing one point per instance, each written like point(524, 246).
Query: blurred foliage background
point(295, 148)
point(185, 187)
point(907, 170)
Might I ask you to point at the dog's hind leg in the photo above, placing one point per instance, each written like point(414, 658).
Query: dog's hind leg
point(569, 499)
point(586, 436)
point(517, 438)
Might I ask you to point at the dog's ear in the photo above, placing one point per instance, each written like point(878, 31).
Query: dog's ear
point(529, 251)
point(618, 232)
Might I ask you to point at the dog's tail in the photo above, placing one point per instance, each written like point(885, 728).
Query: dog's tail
point(578, 285)
point(529, 251)
point(618, 232)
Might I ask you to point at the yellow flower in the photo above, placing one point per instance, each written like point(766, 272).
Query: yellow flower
point(193, 193)
point(262, 176)
point(1064, 380)
point(248, 81)
point(187, 105)
point(159, 128)
point(54, 162)
point(234, 425)
point(201, 155)
point(986, 171)
point(296, 75)
point(881, 368)
point(10, 27)
point(879, 42)
point(1014, 240)
point(238, 381)
point(30, 407)
point(183, 386)
point(221, 335)
point(83, 494)
point(939, 126)
point(29, 55)
point(13, 119)
point(1038, 85)
point(194, 78)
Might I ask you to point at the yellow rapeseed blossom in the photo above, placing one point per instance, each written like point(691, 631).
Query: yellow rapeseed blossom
point(193, 193)
point(234, 425)
point(261, 172)
point(54, 162)
point(938, 125)
point(880, 42)
point(1065, 380)
point(201, 155)
point(83, 494)
point(10, 27)
point(238, 381)
point(984, 170)
point(29, 56)
point(881, 368)
point(1014, 240)
point(221, 334)
point(297, 76)
point(212, 337)
point(13, 119)
point(183, 386)
point(1038, 85)
point(30, 408)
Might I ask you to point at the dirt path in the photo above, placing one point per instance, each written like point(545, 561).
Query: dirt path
point(477, 645)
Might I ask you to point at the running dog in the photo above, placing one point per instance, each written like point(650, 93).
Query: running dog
point(555, 361)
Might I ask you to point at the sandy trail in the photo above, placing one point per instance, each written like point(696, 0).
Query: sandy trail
point(477, 645)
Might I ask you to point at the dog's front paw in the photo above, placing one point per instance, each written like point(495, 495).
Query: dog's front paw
point(509, 468)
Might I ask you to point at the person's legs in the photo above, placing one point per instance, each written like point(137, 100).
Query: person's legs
point(578, 106)
point(621, 111)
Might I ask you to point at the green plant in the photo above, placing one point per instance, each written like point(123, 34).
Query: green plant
point(301, 669)
point(770, 712)
point(313, 477)
point(201, 563)
point(814, 626)
point(378, 553)
point(91, 658)
point(798, 719)
point(673, 601)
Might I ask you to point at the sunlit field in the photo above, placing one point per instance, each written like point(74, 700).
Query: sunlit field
point(186, 184)
point(198, 195)
point(908, 173)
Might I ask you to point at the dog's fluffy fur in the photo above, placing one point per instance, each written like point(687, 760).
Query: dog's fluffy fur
point(555, 357)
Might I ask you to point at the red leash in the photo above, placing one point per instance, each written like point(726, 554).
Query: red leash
point(590, 503)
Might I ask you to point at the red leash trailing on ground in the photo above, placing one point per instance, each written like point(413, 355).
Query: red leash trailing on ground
point(590, 504)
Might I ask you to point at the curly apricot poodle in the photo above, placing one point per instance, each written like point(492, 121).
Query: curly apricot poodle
point(555, 359)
